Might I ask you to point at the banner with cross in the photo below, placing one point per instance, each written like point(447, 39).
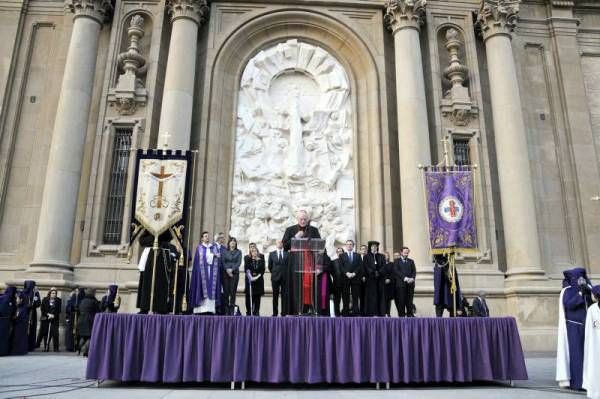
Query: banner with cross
point(160, 189)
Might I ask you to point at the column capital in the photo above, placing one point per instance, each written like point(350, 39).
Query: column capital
point(400, 14)
point(98, 10)
point(498, 17)
point(196, 10)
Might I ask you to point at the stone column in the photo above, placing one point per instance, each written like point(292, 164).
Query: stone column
point(63, 173)
point(497, 19)
point(404, 18)
point(178, 96)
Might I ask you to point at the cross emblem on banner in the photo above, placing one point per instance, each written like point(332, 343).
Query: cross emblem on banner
point(166, 136)
point(159, 196)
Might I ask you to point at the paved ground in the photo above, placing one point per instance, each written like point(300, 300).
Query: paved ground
point(42, 375)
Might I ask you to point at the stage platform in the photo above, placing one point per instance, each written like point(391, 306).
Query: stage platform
point(175, 349)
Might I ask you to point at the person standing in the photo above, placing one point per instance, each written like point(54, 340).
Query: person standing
point(8, 307)
point(51, 306)
point(374, 268)
point(232, 260)
point(278, 263)
point(390, 285)
point(71, 316)
point(205, 290)
point(443, 298)
point(480, 307)
point(111, 302)
point(576, 299)
point(338, 281)
point(351, 274)
point(301, 265)
point(363, 281)
point(591, 364)
point(19, 338)
point(31, 298)
point(88, 308)
point(405, 273)
point(166, 261)
point(254, 267)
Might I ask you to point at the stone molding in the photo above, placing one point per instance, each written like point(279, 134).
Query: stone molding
point(98, 10)
point(195, 10)
point(400, 14)
point(497, 17)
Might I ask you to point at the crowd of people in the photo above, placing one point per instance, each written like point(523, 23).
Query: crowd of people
point(348, 283)
point(19, 331)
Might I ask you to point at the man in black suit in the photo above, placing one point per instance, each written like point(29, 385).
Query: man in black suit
point(405, 273)
point(338, 283)
point(480, 308)
point(294, 301)
point(351, 277)
point(278, 265)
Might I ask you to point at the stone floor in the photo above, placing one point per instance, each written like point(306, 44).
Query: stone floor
point(43, 375)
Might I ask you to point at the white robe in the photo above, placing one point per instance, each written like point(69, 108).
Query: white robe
point(563, 371)
point(591, 353)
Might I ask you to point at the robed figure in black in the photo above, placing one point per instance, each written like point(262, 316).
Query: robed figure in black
point(88, 308)
point(278, 264)
point(351, 270)
point(8, 307)
point(166, 261)
point(19, 338)
point(31, 298)
point(71, 316)
point(405, 273)
point(374, 270)
point(51, 306)
point(111, 302)
point(338, 282)
point(293, 296)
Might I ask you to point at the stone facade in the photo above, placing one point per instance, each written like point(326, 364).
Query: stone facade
point(516, 82)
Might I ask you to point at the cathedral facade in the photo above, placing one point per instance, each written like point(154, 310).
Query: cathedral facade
point(330, 106)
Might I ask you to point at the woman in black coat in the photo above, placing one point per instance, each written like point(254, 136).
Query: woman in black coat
point(51, 306)
point(254, 267)
point(88, 308)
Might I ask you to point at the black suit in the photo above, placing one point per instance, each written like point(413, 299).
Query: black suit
point(404, 291)
point(480, 308)
point(278, 266)
point(351, 286)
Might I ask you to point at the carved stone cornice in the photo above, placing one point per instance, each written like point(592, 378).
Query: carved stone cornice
point(498, 17)
point(196, 10)
point(400, 14)
point(99, 10)
point(562, 3)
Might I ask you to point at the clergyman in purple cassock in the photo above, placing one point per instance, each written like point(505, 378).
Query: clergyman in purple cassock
point(576, 300)
point(205, 289)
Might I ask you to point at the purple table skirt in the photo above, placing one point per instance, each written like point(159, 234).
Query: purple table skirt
point(153, 348)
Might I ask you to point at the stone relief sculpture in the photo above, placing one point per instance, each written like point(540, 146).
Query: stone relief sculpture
point(294, 146)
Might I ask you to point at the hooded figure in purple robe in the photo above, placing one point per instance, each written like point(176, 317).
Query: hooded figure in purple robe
point(7, 309)
point(19, 341)
point(31, 297)
point(576, 299)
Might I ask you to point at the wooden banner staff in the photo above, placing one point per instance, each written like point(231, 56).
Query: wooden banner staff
point(189, 232)
point(176, 234)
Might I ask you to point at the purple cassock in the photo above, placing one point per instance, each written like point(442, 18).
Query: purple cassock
point(575, 312)
point(206, 279)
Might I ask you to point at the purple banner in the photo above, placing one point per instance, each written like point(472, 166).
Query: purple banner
point(450, 209)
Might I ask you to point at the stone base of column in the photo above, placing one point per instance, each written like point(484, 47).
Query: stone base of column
point(48, 274)
point(525, 274)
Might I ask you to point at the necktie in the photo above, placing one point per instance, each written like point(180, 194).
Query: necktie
point(350, 255)
point(280, 256)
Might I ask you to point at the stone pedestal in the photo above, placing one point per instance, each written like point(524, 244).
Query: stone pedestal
point(404, 18)
point(178, 96)
point(59, 202)
point(523, 258)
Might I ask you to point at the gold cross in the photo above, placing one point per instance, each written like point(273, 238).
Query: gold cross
point(161, 177)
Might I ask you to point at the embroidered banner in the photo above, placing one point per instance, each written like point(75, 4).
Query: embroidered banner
point(449, 196)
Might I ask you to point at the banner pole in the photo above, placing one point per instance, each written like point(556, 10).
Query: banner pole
point(188, 231)
point(155, 250)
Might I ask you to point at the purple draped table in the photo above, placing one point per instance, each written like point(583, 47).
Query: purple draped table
point(166, 348)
